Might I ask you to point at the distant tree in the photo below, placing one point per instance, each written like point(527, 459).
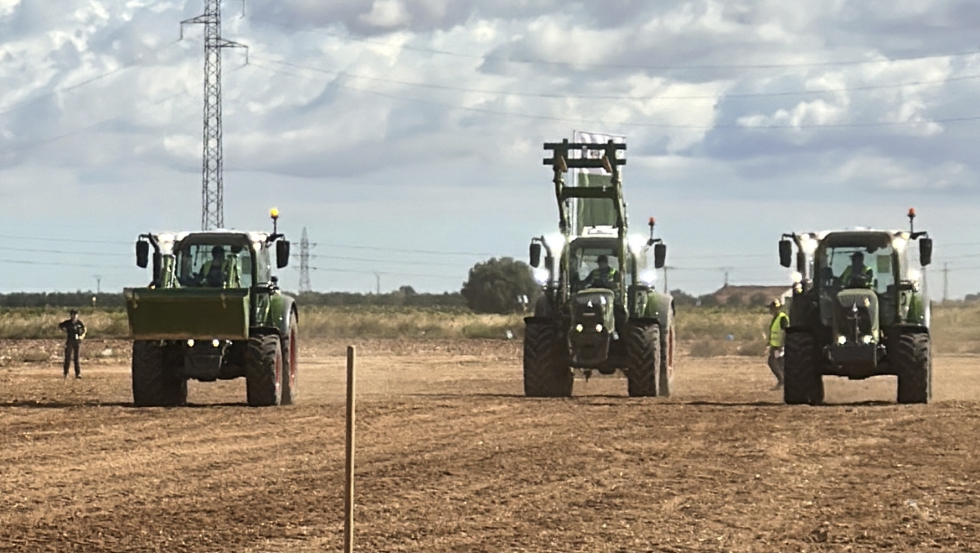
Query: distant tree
point(759, 300)
point(683, 298)
point(495, 285)
point(708, 300)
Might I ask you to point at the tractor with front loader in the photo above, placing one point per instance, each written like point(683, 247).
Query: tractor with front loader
point(859, 310)
point(599, 310)
point(213, 311)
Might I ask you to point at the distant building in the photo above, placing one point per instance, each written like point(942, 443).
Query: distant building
point(757, 296)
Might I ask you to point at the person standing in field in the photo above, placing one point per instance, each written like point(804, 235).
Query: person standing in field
point(777, 337)
point(75, 331)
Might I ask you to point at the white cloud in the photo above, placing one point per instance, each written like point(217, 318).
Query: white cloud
point(326, 122)
point(386, 13)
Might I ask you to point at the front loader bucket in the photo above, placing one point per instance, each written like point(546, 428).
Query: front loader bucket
point(187, 313)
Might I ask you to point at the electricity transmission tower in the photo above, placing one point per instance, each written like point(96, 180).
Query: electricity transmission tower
point(212, 191)
point(304, 264)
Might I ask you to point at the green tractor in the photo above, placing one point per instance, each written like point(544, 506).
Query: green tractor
point(213, 311)
point(599, 310)
point(858, 311)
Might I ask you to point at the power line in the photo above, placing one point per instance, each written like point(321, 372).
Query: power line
point(354, 271)
point(59, 264)
point(27, 101)
point(484, 57)
point(70, 240)
point(62, 252)
point(616, 96)
point(877, 124)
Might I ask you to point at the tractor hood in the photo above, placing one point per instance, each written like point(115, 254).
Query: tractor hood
point(856, 316)
point(593, 324)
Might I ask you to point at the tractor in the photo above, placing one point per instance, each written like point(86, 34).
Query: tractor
point(599, 310)
point(859, 310)
point(213, 311)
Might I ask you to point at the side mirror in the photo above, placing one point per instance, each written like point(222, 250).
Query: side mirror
point(282, 253)
point(142, 254)
point(659, 255)
point(786, 253)
point(535, 254)
point(925, 251)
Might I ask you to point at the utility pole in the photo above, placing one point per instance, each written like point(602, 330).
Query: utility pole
point(665, 278)
point(377, 283)
point(212, 189)
point(726, 271)
point(98, 284)
point(304, 264)
point(945, 282)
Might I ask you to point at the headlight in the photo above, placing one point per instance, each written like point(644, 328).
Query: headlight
point(215, 343)
point(579, 328)
point(648, 277)
point(841, 340)
point(866, 339)
point(541, 276)
point(598, 328)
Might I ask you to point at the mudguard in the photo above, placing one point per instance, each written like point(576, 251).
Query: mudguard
point(659, 307)
point(280, 307)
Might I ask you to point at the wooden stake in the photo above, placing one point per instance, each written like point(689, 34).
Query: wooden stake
point(349, 466)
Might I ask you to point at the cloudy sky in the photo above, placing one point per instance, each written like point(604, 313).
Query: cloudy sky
point(406, 135)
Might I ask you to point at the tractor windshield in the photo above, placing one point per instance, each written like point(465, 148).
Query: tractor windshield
point(214, 265)
point(594, 268)
point(866, 267)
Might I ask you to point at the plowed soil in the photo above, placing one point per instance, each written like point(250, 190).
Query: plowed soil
point(451, 457)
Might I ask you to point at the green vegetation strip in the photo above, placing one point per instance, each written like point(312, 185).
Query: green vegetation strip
point(703, 331)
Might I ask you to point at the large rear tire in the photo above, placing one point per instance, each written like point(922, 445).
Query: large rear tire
point(290, 354)
point(912, 359)
point(666, 384)
point(154, 383)
point(803, 382)
point(644, 360)
point(546, 370)
point(263, 371)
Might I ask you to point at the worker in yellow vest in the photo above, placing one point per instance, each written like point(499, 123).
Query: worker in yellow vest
point(777, 337)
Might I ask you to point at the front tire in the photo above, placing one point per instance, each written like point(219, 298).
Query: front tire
point(912, 359)
point(803, 382)
point(546, 370)
point(154, 383)
point(644, 360)
point(290, 354)
point(263, 371)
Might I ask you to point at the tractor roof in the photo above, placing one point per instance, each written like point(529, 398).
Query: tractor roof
point(168, 239)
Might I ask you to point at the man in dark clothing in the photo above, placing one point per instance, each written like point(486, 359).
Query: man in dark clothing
point(75, 331)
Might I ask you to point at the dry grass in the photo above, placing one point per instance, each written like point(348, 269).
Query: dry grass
point(703, 331)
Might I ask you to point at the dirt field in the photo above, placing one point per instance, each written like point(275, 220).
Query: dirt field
point(451, 458)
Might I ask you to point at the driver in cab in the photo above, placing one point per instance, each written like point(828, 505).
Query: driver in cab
point(857, 274)
point(602, 277)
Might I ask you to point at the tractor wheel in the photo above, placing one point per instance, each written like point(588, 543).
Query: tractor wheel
point(912, 361)
point(263, 371)
point(546, 370)
point(644, 360)
point(802, 382)
point(290, 354)
point(154, 383)
point(666, 383)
